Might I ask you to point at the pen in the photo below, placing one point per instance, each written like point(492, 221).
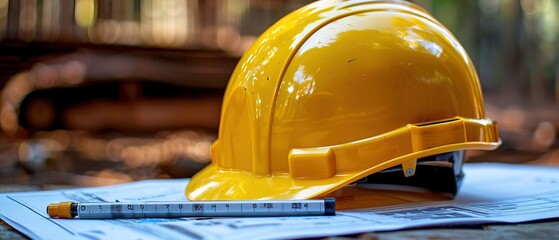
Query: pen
point(257, 208)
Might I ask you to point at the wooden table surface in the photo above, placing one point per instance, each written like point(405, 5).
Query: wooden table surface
point(537, 230)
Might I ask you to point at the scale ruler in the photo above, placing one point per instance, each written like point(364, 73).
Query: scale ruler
point(258, 208)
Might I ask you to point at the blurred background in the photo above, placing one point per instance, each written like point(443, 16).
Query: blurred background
point(96, 92)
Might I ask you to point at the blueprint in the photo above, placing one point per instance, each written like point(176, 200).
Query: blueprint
point(490, 193)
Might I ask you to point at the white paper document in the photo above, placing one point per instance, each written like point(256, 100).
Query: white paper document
point(490, 193)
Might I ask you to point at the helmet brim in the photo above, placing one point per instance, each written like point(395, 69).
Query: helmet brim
point(214, 183)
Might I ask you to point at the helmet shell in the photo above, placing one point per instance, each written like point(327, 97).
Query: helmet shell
point(336, 91)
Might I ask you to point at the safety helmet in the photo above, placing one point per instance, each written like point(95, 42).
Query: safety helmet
point(337, 91)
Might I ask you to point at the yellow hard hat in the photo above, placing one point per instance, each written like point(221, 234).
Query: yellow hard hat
point(337, 91)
